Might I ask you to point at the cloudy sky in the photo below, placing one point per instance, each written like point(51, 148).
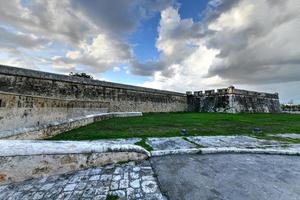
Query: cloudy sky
point(166, 44)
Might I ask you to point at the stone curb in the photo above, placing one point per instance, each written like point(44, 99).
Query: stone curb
point(34, 147)
point(172, 152)
point(226, 150)
point(25, 159)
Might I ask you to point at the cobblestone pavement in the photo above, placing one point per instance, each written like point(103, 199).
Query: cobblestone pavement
point(133, 180)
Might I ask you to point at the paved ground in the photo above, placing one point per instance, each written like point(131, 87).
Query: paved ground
point(233, 141)
point(128, 181)
point(170, 143)
point(229, 176)
point(220, 176)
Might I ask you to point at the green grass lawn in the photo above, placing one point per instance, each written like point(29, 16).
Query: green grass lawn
point(170, 124)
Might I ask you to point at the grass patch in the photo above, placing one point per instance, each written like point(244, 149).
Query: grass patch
point(112, 197)
point(123, 162)
point(144, 144)
point(194, 143)
point(170, 124)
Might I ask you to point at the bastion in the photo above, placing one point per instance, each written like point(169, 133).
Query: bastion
point(232, 100)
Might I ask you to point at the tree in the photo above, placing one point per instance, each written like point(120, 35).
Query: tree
point(82, 75)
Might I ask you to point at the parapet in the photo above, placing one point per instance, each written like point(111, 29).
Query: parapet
point(15, 71)
point(233, 90)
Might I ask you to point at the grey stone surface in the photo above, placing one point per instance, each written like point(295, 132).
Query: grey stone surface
point(233, 141)
point(170, 143)
point(42, 147)
point(289, 135)
point(223, 144)
point(133, 180)
point(229, 176)
point(220, 144)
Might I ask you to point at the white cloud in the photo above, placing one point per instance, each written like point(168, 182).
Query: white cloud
point(258, 42)
point(235, 18)
point(252, 44)
point(178, 39)
point(102, 54)
point(54, 19)
point(93, 33)
point(19, 40)
point(189, 74)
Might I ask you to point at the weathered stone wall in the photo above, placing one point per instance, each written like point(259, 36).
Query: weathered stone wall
point(24, 111)
point(232, 100)
point(32, 98)
point(290, 108)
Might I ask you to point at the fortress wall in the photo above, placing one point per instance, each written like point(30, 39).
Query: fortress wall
point(24, 111)
point(33, 98)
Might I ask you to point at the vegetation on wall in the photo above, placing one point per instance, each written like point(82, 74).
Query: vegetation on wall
point(82, 75)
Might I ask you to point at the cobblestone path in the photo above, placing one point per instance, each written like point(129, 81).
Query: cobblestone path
point(133, 180)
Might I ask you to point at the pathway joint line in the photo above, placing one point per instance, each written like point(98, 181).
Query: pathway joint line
point(225, 150)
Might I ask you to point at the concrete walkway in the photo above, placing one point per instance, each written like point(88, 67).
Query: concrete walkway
point(228, 176)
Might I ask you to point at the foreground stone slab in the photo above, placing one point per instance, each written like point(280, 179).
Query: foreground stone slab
point(23, 159)
point(133, 180)
point(233, 141)
point(171, 143)
point(228, 176)
point(220, 144)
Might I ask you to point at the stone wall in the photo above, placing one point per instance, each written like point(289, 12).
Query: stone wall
point(33, 111)
point(291, 108)
point(33, 98)
point(233, 100)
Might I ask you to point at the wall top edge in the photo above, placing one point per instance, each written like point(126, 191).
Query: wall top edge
point(232, 90)
point(15, 71)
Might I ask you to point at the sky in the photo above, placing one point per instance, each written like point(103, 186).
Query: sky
point(178, 45)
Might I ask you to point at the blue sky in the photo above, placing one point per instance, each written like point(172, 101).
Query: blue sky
point(166, 44)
